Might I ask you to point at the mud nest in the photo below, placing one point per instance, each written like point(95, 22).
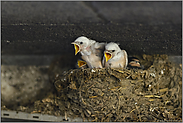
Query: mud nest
point(121, 95)
point(152, 94)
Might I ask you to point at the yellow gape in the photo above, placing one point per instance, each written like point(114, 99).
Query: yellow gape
point(107, 56)
point(81, 63)
point(76, 48)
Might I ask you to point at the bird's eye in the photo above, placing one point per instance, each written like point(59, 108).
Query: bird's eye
point(81, 42)
point(113, 50)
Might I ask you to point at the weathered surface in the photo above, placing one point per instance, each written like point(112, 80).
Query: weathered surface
point(91, 12)
point(49, 27)
point(51, 40)
point(22, 85)
point(46, 13)
point(139, 12)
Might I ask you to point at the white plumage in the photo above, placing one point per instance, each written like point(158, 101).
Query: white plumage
point(114, 57)
point(90, 50)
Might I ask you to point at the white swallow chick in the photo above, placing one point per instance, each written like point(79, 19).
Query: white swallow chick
point(90, 50)
point(114, 57)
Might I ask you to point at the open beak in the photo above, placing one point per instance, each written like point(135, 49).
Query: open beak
point(81, 63)
point(76, 47)
point(107, 56)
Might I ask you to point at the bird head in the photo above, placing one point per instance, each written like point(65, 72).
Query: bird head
point(110, 50)
point(80, 43)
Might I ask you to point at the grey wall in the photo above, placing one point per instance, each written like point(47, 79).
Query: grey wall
point(49, 27)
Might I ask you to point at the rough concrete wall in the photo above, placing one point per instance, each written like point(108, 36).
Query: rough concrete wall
point(49, 27)
point(86, 12)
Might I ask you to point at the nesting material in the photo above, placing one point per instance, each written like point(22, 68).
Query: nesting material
point(118, 95)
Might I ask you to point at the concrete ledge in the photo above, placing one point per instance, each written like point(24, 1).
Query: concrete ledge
point(22, 116)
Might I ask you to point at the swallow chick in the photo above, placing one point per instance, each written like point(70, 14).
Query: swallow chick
point(114, 57)
point(90, 50)
point(134, 63)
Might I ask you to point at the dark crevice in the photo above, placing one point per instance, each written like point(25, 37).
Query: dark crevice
point(95, 10)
